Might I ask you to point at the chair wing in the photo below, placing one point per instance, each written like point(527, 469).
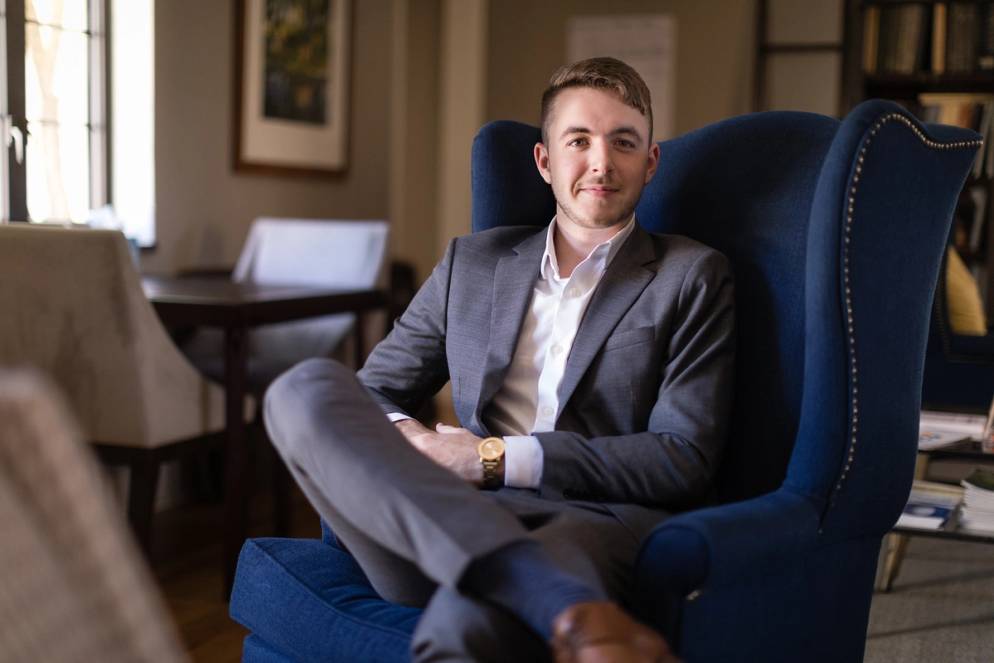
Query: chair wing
point(876, 218)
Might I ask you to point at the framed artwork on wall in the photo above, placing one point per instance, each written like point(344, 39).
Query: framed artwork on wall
point(292, 71)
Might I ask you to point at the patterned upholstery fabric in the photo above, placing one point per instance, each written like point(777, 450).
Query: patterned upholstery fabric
point(73, 587)
point(73, 308)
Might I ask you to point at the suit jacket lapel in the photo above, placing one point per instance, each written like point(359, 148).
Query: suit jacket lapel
point(514, 281)
point(622, 283)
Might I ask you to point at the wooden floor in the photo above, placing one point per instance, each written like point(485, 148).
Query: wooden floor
point(186, 562)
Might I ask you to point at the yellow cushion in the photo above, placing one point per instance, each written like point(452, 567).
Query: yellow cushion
point(966, 311)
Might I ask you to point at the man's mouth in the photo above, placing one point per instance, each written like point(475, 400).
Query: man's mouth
point(599, 190)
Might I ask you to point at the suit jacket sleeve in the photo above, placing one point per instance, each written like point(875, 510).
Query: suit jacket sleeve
point(673, 461)
point(409, 365)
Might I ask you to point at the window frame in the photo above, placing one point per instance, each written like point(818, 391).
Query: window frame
point(14, 206)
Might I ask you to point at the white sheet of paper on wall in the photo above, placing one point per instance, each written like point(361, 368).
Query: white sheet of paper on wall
point(645, 41)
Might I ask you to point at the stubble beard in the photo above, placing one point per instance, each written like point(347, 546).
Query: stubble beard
point(593, 224)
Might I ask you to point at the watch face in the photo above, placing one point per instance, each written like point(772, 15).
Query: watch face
point(491, 448)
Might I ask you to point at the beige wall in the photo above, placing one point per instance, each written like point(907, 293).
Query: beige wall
point(398, 133)
point(414, 133)
point(715, 51)
point(203, 207)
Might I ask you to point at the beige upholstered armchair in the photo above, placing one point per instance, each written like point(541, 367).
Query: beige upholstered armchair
point(73, 586)
point(73, 308)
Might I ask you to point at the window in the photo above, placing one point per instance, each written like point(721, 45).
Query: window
point(54, 100)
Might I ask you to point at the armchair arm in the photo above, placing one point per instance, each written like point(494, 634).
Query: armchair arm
point(718, 545)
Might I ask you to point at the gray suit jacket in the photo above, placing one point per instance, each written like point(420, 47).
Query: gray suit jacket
point(646, 392)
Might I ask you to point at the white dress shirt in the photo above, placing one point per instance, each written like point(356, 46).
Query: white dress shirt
point(526, 402)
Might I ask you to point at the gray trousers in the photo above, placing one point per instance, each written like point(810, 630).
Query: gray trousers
point(414, 527)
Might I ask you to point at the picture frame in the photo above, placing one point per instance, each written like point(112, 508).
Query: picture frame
point(292, 87)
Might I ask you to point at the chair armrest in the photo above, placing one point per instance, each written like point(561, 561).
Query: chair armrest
point(718, 545)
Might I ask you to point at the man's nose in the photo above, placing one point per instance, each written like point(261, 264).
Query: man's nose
point(600, 157)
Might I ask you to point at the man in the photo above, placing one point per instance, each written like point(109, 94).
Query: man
point(591, 370)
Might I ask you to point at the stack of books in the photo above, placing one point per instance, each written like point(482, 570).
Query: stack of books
point(978, 501)
point(942, 429)
point(930, 505)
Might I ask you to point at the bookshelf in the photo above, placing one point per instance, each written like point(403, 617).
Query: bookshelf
point(937, 59)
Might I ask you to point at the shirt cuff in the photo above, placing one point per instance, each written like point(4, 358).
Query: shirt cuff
point(394, 417)
point(523, 460)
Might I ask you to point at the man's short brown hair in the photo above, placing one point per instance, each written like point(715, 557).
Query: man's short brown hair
point(607, 74)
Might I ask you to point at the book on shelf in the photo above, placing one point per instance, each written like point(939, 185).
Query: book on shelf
point(941, 37)
point(871, 36)
point(975, 238)
point(902, 38)
point(985, 55)
point(984, 128)
point(978, 501)
point(962, 37)
point(924, 516)
point(930, 505)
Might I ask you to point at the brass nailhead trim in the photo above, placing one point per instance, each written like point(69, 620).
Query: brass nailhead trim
point(854, 373)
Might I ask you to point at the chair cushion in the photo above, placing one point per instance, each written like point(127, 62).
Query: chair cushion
point(311, 601)
point(257, 650)
point(966, 308)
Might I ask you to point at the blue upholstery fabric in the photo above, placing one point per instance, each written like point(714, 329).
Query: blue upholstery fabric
point(825, 421)
point(310, 600)
point(257, 650)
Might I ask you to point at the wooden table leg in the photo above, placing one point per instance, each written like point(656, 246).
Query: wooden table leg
point(235, 452)
point(897, 544)
point(359, 333)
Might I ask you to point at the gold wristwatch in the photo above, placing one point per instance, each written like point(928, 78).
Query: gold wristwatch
point(491, 452)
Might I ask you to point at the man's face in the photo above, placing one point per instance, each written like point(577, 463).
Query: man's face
point(598, 158)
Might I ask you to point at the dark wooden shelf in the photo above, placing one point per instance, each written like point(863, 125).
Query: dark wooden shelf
point(907, 86)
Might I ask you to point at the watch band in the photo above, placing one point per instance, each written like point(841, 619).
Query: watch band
point(491, 452)
point(491, 477)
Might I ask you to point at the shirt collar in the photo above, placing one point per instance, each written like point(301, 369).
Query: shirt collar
point(608, 249)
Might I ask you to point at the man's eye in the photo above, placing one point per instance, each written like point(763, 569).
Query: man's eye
point(577, 142)
point(626, 144)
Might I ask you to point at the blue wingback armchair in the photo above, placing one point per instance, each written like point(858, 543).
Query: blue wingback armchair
point(835, 231)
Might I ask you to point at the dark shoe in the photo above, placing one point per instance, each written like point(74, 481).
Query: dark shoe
point(601, 632)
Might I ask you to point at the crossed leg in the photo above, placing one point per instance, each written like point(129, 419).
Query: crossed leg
point(415, 528)
point(588, 543)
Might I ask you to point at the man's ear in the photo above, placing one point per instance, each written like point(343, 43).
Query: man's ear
point(653, 161)
point(542, 162)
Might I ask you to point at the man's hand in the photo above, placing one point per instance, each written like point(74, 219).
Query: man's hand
point(453, 448)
